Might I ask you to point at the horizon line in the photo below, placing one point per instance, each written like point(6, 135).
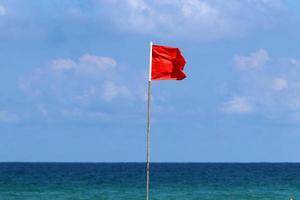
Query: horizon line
point(133, 162)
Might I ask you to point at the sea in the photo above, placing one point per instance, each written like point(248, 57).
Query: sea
point(168, 181)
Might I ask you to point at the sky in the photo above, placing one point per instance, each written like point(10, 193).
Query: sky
point(73, 81)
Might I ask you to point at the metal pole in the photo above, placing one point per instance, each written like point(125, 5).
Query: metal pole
point(148, 140)
point(148, 125)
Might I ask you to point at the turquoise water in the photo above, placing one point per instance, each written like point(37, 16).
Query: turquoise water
point(126, 181)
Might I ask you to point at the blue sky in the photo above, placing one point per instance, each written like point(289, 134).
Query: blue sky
point(73, 80)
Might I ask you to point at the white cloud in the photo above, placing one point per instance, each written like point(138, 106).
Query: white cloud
point(8, 117)
point(63, 64)
point(89, 81)
point(89, 63)
point(79, 114)
point(194, 19)
point(42, 110)
point(2, 10)
point(185, 19)
point(111, 91)
point(255, 60)
point(193, 8)
point(295, 62)
point(77, 80)
point(273, 89)
point(136, 14)
point(237, 105)
point(279, 84)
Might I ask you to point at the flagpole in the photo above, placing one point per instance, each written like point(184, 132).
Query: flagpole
point(148, 125)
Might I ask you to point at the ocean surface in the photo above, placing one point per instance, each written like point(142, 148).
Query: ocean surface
point(169, 181)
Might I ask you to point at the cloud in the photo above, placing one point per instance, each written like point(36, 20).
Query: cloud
point(83, 115)
point(63, 64)
point(295, 62)
point(180, 19)
point(279, 84)
point(94, 64)
point(64, 74)
point(205, 19)
point(42, 110)
point(2, 10)
point(87, 64)
point(271, 91)
point(89, 87)
point(111, 91)
point(237, 105)
point(8, 117)
point(255, 60)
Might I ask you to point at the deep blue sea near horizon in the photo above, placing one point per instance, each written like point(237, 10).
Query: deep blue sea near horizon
point(126, 181)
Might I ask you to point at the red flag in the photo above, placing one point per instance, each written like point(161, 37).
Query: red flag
point(167, 63)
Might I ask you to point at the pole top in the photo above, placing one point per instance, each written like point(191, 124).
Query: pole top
point(150, 61)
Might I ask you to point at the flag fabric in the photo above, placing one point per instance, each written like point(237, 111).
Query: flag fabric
point(167, 63)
